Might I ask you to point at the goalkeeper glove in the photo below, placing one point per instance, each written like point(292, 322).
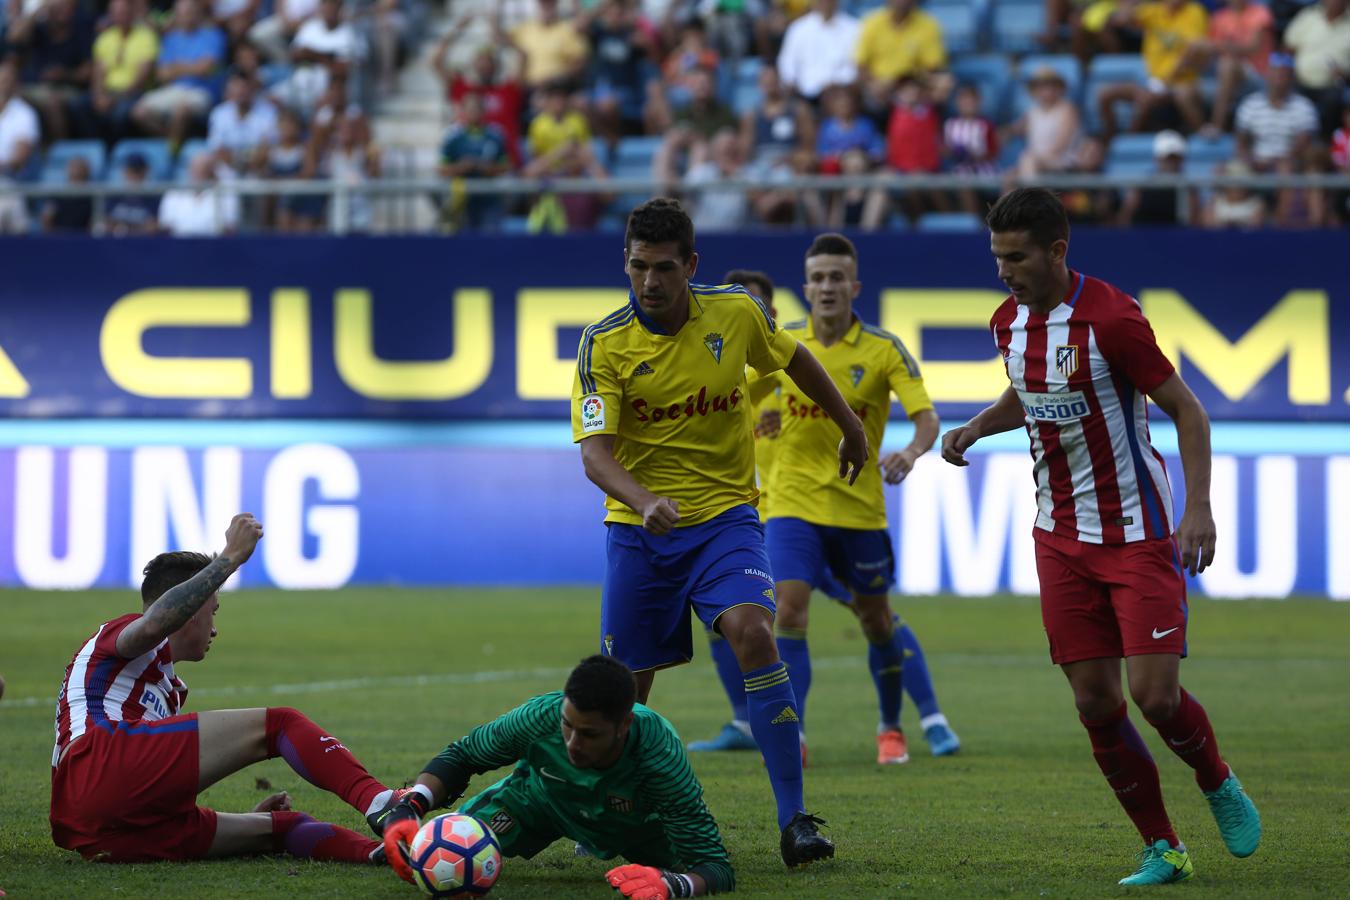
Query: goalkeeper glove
point(400, 826)
point(648, 883)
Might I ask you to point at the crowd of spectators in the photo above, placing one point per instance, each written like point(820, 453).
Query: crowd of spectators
point(222, 89)
point(871, 86)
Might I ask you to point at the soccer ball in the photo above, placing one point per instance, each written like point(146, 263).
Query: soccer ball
point(455, 856)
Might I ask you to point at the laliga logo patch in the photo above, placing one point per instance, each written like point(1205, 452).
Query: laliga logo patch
point(713, 341)
point(592, 412)
point(1066, 359)
point(856, 373)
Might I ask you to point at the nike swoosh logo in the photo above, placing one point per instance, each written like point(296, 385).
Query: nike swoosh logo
point(1162, 634)
point(544, 772)
point(1185, 742)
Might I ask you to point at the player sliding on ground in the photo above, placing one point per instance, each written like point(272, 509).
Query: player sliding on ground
point(1083, 364)
point(817, 528)
point(127, 766)
point(661, 412)
point(592, 766)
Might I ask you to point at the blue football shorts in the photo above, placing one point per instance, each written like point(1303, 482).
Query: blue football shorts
point(830, 558)
point(652, 582)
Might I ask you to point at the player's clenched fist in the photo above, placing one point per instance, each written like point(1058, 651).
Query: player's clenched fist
point(648, 883)
point(956, 442)
point(660, 515)
point(241, 537)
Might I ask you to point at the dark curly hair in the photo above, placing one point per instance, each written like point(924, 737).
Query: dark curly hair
point(170, 569)
point(832, 244)
point(1036, 211)
point(747, 277)
point(602, 684)
point(659, 221)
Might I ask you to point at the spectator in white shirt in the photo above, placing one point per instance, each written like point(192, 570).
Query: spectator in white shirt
point(818, 50)
point(19, 138)
point(273, 34)
point(324, 48)
point(199, 210)
point(242, 127)
point(1274, 127)
point(1320, 38)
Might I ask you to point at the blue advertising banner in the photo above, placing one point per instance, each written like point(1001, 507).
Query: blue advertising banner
point(84, 516)
point(479, 329)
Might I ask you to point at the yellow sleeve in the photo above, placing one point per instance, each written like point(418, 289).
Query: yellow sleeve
point(902, 371)
point(1197, 23)
point(534, 137)
point(934, 53)
point(151, 44)
point(577, 128)
point(1147, 15)
point(770, 347)
point(761, 386)
point(863, 54)
point(596, 391)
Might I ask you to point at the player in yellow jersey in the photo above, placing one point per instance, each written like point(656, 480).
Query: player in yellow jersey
point(917, 681)
point(661, 411)
point(814, 525)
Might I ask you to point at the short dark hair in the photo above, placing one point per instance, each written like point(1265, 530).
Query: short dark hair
point(1036, 211)
point(659, 221)
point(832, 244)
point(744, 276)
point(168, 570)
point(602, 684)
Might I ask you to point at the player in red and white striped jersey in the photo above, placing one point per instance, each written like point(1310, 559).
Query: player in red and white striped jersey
point(128, 765)
point(1083, 363)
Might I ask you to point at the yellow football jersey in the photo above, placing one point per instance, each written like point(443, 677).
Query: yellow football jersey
point(678, 403)
point(766, 453)
point(867, 365)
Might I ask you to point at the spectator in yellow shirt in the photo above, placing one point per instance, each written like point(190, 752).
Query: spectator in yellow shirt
point(124, 61)
point(1170, 27)
point(559, 142)
point(901, 41)
point(552, 47)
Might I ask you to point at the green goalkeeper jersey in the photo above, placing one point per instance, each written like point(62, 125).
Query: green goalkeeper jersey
point(650, 786)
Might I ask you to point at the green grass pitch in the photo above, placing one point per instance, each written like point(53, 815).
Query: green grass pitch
point(1021, 811)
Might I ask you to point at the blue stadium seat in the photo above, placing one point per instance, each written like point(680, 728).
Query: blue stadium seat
point(1215, 150)
point(1130, 148)
point(950, 222)
point(189, 149)
point(1065, 65)
point(745, 86)
point(1009, 151)
point(1131, 166)
point(1016, 24)
point(991, 74)
point(516, 225)
point(155, 151)
point(960, 27)
point(633, 156)
point(62, 152)
point(1110, 69)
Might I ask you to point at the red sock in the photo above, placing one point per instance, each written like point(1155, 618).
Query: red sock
point(1189, 735)
point(319, 758)
point(1129, 769)
point(304, 838)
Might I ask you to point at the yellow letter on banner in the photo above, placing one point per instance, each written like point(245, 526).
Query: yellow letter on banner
point(460, 373)
point(1297, 327)
point(137, 372)
point(905, 313)
point(12, 383)
point(541, 373)
point(292, 369)
point(790, 309)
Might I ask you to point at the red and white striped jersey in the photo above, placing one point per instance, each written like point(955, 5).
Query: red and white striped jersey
point(101, 688)
point(1082, 372)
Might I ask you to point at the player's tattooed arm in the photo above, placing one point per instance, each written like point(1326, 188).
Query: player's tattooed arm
point(176, 606)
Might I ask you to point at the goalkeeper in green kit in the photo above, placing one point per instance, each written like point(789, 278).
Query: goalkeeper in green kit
point(593, 766)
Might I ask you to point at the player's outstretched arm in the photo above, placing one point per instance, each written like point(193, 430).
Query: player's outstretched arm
point(659, 514)
point(1004, 414)
point(1196, 534)
point(181, 602)
point(809, 375)
point(895, 467)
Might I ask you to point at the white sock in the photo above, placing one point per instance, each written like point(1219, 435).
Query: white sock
point(929, 721)
point(742, 726)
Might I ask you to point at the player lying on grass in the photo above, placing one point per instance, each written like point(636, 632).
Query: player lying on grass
point(913, 674)
point(127, 766)
point(1083, 364)
point(591, 765)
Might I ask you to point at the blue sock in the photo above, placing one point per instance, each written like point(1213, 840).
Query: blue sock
point(795, 655)
point(729, 671)
point(774, 721)
point(918, 684)
point(886, 660)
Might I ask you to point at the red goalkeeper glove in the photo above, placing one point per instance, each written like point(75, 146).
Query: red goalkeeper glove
point(648, 883)
point(400, 827)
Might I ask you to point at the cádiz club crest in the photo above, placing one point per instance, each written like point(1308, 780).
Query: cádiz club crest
point(713, 341)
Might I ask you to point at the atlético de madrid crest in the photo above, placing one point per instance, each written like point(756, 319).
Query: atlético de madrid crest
point(713, 341)
point(1066, 359)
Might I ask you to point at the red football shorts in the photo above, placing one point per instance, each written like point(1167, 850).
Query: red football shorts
point(127, 792)
point(1110, 600)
